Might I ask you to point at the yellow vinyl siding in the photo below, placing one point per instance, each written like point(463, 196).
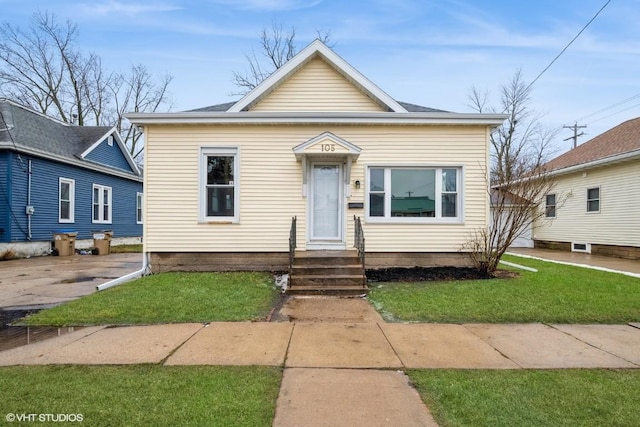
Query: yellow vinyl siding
point(317, 87)
point(617, 223)
point(270, 185)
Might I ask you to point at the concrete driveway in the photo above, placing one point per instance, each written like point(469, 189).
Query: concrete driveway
point(50, 280)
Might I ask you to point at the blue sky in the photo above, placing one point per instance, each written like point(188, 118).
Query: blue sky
point(425, 52)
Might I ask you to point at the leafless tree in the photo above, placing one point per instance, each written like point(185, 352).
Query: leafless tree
point(136, 91)
point(517, 181)
point(277, 46)
point(42, 68)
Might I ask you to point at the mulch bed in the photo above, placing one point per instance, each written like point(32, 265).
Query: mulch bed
point(425, 274)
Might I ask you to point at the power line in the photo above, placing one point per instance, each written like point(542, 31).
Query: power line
point(617, 112)
point(602, 110)
point(567, 46)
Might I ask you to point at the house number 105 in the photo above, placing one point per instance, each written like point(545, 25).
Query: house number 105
point(328, 147)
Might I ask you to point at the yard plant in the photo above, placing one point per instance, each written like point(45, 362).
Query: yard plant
point(169, 298)
point(555, 294)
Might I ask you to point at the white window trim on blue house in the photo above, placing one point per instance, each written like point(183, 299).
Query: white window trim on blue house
point(100, 203)
point(139, 201)
point(205, 153)
point(438, 218)
point(72, 200)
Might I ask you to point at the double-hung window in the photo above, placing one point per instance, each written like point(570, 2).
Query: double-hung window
point(66, 200)
point(139, 208)
point(550, 206)
point(219, 184)
point(413, 193)
point(593, 199)
point(101, 203)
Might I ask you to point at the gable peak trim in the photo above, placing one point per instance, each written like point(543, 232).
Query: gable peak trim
point(316, 49)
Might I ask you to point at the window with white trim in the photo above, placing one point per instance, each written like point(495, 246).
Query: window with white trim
point(414, 193)
point(101, 204)
point(139, 208)
point(66, 200)
point(593, 199)
point(219, 184)
point(550, 206)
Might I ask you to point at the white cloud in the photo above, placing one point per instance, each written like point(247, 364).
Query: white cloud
point(114, 7)
point(270, 5)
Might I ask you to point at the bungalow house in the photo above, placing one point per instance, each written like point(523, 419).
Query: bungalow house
point(58, 177)
point(599, 185)
point(319, 142)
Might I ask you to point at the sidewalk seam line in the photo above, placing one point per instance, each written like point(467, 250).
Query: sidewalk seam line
point(392, 347)
point(286, 352)
point(464, 325)
point(172, 352)
point(589, 344)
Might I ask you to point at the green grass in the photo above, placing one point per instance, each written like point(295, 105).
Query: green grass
point(126, 249)
point(169, 298)
point(530, 398)
point(143, 394)
point(556, 294)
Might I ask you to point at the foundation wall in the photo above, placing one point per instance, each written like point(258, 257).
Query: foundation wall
point(279, 261)
point(625, 252)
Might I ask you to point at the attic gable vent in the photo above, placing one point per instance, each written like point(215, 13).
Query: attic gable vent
point(110, 140)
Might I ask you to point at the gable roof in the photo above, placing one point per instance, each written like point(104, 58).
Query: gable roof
point(611, 146)
point(411, 108)
point(28, 131)
point(314, 50)
point(392, 111)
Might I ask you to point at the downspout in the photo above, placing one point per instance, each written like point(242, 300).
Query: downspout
point(128, 277)
point(29, 209)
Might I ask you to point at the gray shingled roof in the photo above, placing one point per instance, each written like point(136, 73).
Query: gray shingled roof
point(412, 108)
point(31, 130)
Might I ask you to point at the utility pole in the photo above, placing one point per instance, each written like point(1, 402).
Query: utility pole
point(575, 136)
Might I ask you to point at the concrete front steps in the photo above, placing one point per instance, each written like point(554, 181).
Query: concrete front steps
point(327, 273)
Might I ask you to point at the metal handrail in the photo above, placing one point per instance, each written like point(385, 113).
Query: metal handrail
point(358, 242)
point(292, 242)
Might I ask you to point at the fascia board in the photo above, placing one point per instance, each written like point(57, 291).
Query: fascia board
point(317, 118)
point(596, 163)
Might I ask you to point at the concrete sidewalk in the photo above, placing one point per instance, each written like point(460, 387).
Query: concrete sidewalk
point(344, 373)
point(628, 266)
point(343, 345)
point(343, 368)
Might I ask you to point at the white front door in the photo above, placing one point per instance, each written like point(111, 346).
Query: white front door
point(326, 204)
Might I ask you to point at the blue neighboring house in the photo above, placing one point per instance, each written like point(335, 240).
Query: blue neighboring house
point(55, 176)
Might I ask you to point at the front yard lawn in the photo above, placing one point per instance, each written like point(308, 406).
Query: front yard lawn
point(555, 294)
point(169, 298)
point(141, 395)
point(587, 397)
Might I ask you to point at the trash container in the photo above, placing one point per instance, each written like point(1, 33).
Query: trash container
point(64, 242)
point(102, 241)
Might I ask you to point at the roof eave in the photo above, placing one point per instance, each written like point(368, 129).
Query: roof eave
point(597, 163)
point(83, 164)
point(431, 118)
